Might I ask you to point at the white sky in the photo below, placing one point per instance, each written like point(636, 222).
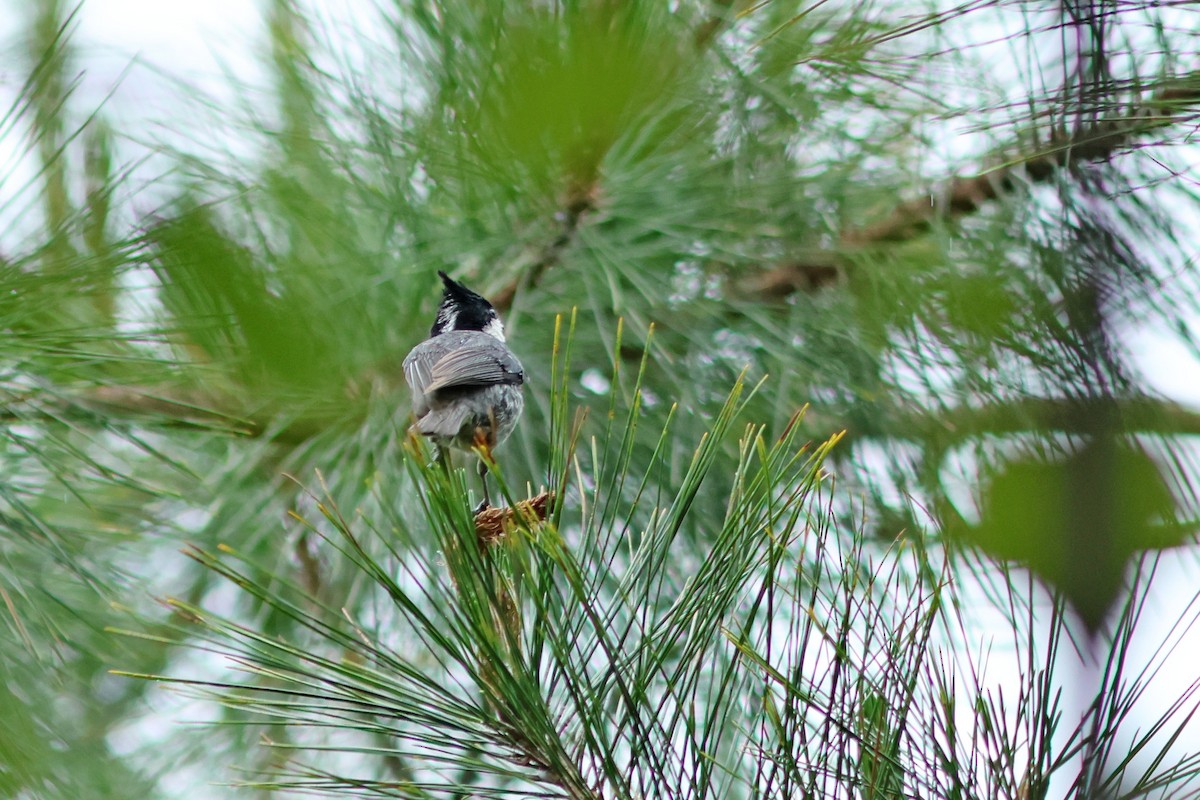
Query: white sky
point(126, 47)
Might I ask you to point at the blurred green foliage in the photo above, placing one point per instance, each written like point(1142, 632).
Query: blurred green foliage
point(1077, 522)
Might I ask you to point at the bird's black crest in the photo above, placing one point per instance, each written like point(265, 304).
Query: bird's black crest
point(461, 309)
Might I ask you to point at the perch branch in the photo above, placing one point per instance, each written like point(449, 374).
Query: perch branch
point(494, 524)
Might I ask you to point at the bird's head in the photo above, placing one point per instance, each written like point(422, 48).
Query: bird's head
point(463, 310)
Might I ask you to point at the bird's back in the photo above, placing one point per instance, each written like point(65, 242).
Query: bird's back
point(464, 382)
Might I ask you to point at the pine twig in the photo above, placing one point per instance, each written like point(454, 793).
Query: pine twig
point(1141, 415)
point(963, 195)
point(493, 524)
point(580, 201)
point(1144, 415)
point(716, 22)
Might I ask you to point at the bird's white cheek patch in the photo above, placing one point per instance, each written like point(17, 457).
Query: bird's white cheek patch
point(495, 328)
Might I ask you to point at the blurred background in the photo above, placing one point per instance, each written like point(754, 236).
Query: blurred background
point(962, 233)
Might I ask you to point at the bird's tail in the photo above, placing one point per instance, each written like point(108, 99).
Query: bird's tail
point(445, 422)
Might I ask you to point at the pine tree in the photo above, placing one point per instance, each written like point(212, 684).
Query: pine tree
point(828, 311)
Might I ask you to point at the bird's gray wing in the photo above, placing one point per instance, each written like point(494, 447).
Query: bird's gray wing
point(470, 366)
point(418, 372)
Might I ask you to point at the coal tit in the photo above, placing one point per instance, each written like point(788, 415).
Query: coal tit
point(466, 383)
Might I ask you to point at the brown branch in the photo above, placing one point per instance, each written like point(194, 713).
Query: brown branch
point(720, 17)
point(964, 195)
point(814, 272)
point(946, 427)
point(1142, 415)
point(553, 765)
point(957, 197)
point(580, 200)
point(133, 404)
point(185, 405)
point(581, 196)
point(140, 405)
point(196, 410)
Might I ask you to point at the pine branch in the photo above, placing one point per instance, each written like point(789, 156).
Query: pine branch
point(493, 524)
point(714, 24)
point(1142, 415)
point(580, 200)
point(140, 405)
point(958, 197)
point(1170, 104)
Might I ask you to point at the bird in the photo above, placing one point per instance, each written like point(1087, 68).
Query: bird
point(465, 381)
